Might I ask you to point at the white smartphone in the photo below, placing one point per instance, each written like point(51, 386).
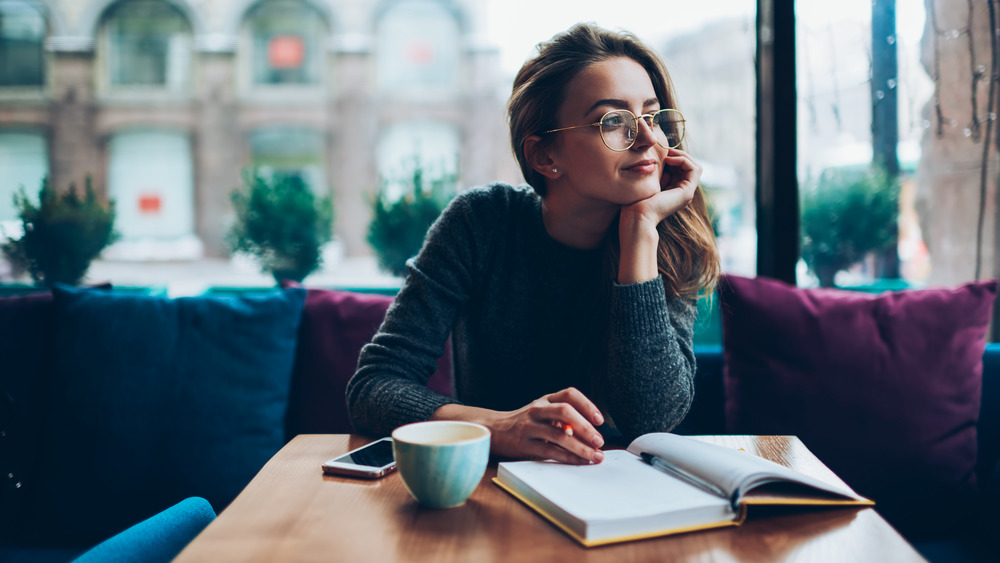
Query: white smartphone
point(369, 461)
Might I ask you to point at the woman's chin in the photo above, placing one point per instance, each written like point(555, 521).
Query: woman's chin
point(639, 193)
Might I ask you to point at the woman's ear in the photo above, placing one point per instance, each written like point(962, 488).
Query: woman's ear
point(537, 154)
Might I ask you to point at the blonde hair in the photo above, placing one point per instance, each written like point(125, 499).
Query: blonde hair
point(687, 257)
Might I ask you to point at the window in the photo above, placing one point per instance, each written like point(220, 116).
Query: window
point(290, 151)
point(287, 43)
point(24, 161)
point(431, 145)
point(712, 69)
point(147, 43)
point(151, 179)
point(860, 124)
point(22, 36)
point(417, 47)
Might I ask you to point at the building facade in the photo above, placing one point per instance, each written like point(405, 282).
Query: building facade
point(165, 102)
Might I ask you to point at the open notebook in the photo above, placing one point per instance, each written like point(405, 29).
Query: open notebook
point(690, 485)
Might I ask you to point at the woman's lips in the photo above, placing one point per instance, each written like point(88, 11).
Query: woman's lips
point(641, 167)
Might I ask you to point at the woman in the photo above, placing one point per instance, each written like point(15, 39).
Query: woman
point(570, 302)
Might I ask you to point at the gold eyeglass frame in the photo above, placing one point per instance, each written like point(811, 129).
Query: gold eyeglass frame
point(649, 122)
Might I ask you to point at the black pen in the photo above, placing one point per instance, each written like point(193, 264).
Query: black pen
point(683, 475)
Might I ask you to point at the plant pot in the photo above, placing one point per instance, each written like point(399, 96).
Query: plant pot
point(295, 274)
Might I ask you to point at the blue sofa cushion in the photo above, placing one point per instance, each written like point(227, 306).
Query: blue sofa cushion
point(989, 419)
point(707, 414)
point(25, 351)
point(153, 400)
point(158, 539)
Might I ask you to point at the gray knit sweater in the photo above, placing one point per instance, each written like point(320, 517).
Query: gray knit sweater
point(526, 318)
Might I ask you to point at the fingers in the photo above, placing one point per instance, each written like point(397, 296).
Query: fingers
point(560, 421)
point(541, 449)
point(568, 427)
point(580, 402)
point(680, 171)
point(559, 426)
point(577, 415)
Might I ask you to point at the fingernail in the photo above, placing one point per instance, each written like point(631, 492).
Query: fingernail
point(598, 441)
point(598, 419)
point(598, 457)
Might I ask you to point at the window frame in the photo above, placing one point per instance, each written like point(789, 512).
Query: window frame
point(160, 93)
point(283, 93)
point(777, 190)
point(31, 90)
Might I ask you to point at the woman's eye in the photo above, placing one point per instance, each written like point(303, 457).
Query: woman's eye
point(614, 121)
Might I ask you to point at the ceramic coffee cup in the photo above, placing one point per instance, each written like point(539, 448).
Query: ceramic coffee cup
point(441, 461)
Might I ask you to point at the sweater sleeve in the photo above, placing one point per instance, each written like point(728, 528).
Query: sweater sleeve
point(389, 387)
point(651, 362)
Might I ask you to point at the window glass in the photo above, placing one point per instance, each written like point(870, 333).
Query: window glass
point(22, 36)
point(287, 38)
point(860, 103)
point(290, 151)
point(24, 161)
point(433, 146)
point(418, 47)
point(151, 178)
point(713, 74)
point(147, 43)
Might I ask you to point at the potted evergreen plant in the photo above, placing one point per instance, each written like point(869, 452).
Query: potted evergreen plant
point(398, 227)
point(282, 224)
point(62, 235)
point(845, 217)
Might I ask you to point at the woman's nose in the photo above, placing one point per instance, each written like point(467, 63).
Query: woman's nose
point(644, 136)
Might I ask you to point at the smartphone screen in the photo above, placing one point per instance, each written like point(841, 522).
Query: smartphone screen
point(371, 461)
point(376, 454)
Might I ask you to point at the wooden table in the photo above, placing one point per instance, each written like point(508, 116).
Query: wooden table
point(292, 512)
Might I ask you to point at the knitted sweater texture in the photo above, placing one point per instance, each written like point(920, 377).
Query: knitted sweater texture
point(527, 316)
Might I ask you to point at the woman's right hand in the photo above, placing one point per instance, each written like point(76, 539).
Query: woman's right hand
point(558, 426)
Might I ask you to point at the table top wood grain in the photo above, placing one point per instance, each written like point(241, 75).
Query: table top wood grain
point(291, 511)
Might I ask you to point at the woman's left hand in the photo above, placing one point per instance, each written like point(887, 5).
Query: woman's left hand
point(637, 222)
point(678, 183)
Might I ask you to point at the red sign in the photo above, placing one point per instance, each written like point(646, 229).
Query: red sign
point(286, 51)
point(420, 53)
point(150, 204)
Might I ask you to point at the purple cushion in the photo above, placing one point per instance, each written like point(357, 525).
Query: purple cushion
point(885, 388)
point(335, 325)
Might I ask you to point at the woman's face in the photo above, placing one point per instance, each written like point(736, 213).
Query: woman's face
point(585, 164)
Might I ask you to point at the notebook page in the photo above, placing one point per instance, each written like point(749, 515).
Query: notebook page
point(723, 466)
point(621, 487)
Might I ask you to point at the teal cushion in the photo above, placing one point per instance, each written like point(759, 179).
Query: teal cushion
point(157, 539)
point(153, 400)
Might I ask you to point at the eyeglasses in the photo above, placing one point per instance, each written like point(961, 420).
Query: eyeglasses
point(620, 127)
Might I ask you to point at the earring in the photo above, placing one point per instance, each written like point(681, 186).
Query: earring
point(555, 170)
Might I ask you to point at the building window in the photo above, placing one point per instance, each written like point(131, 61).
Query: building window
point(403, 147)
point(22, 36)
point(287, 43)
point(147, 43)
point(856, 170)
point(290, 151)
point(418, 47)
point(151, 178)
point(24, 161)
